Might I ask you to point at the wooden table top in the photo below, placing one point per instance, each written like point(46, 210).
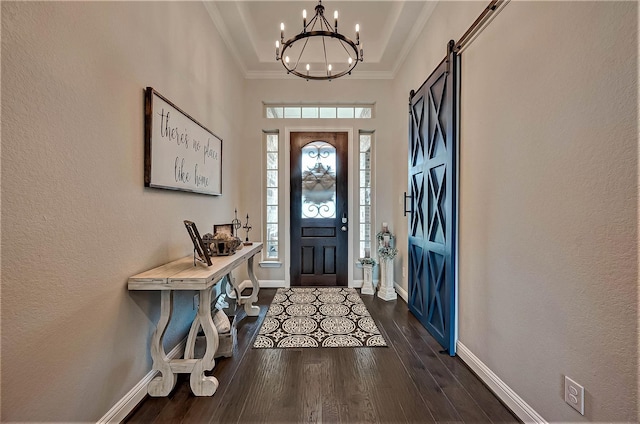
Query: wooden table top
point(181, 274)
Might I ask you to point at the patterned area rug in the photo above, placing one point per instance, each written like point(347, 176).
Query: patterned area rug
point(318, 317)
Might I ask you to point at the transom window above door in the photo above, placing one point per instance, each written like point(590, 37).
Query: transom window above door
point(284, 111)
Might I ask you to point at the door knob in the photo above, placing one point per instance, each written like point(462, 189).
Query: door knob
point(344, 228)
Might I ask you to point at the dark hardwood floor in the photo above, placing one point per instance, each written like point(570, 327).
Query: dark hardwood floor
point(409, 381)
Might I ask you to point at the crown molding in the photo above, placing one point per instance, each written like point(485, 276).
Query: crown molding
point(418, 26)
point(391, 23)
point(218, 22)
point(242, 12)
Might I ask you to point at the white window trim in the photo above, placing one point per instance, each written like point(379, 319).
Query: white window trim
point(372, 197)
point(265, 259)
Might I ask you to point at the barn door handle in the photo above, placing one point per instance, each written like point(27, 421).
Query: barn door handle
point(407, 196)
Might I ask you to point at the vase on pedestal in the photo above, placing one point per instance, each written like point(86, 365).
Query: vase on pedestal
point(386, 253)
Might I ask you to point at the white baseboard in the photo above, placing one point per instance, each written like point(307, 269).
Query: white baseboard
point(402, 292)
point(124, 406)
point(510, 398)
point(267, 284)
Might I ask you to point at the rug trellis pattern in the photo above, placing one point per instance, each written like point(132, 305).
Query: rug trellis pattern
point(318, 317)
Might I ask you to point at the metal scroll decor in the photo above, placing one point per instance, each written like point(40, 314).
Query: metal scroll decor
point(318, 180)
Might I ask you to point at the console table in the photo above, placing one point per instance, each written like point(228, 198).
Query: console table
point(182, 274)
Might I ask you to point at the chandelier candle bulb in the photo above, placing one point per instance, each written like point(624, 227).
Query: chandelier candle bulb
point(282, 31)
point(277, 50)
point(304, 20)
point(357, 33)
point(335, 18)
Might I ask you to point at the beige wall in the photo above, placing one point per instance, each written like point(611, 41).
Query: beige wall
point(76, 219)
point(548, 197)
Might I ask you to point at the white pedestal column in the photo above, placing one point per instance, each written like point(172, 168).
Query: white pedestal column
point(367, 285)
point(387, 290)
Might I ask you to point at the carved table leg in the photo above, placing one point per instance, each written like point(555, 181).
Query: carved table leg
point(202, 385)
point(249, 308)
point(190, 347)
point(163, 384)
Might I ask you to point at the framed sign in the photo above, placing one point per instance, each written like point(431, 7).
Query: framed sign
point(179, 152)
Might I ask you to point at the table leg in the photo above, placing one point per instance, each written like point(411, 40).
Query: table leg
point(164, 383)
point(202, 385)
point(249, 307)
point(190, 347)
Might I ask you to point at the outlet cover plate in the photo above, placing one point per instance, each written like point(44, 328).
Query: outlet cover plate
point(574, 394)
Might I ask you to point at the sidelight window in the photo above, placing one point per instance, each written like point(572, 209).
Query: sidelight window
point(272, 247)
point(365, 190)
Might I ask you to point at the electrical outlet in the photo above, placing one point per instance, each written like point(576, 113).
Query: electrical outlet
point(404, 271)
point(196, 301)
point(574, 394)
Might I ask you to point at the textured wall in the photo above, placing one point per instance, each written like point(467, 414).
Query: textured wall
point(76, 219)
point(548, 198)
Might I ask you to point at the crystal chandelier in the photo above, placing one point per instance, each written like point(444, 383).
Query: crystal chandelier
point(319, 39)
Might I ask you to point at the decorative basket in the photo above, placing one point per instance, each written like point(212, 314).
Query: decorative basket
point(220, 247)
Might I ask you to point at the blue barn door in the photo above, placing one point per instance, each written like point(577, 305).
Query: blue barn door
point(433, 192)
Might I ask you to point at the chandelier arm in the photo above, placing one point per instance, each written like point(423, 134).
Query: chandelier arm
point(328, 25)
point(347, 50)
point(324, 47)
point(312, 22)
point(301, 52)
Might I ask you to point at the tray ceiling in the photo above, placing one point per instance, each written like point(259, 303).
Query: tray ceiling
point(388, 30)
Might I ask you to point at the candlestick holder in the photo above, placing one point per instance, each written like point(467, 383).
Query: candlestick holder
point(247, 228)
point(236, 224)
